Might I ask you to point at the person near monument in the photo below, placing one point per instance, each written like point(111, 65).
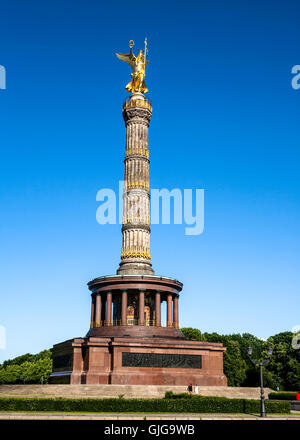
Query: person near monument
point(196, 390)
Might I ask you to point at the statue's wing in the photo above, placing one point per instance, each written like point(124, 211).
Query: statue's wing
point(128, 58)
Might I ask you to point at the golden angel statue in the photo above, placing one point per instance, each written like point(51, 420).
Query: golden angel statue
point(138, 64)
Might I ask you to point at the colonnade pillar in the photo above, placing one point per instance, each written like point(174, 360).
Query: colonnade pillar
point(98, 310)
point(157, 309)
point(124, 307)
point(108, 308)
point(92, 312)
point(169, 310)
point(175, 312)
point(141, 307)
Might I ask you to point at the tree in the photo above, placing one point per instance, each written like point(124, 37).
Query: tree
point(192, 333)
point(10, 374)
point(27, 368)
point(234, 365)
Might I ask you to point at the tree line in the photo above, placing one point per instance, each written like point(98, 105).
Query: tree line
point(283, 371)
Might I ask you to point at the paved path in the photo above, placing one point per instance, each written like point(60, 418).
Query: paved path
point(140, 416)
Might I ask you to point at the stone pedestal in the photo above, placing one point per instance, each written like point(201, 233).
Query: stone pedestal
point(137, 361)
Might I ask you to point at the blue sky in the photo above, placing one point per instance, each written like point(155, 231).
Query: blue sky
point(225, 119)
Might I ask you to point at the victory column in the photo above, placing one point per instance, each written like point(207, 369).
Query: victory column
point(127, 342)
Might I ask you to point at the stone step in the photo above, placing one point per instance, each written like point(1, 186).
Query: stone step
point(128, 391)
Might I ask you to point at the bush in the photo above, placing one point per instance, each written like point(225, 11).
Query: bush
point(282, 396)
point(173, 405)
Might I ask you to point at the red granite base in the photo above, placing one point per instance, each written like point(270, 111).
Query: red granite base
point(95, 360)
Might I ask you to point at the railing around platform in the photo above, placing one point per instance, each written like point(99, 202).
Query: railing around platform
point(130, 322)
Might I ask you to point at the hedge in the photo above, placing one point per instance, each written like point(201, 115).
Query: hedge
point(183, 405)
point(171, 395)
point(283, 396)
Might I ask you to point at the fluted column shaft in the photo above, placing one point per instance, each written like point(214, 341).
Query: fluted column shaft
point(135, 256)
